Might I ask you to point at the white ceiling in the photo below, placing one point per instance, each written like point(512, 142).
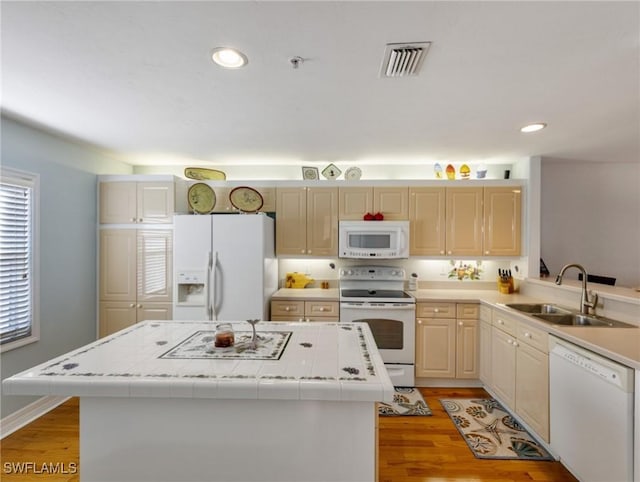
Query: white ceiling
point(136, 77)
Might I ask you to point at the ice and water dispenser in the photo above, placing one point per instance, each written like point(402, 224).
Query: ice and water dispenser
point(191, 288)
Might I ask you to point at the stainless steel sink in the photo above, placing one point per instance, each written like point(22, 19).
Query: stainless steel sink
point(538, 308)
point(575, 319)
point(562, 316)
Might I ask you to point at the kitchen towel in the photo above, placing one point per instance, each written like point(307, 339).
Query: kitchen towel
point(491, 432)
point(406, 401)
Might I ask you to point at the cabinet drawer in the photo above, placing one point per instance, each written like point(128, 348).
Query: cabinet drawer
point(467, 311)
point(287, 308)
point(504, 322)
point(436, 310)
point(321, 309)
point(534, 337)
point(485, 313)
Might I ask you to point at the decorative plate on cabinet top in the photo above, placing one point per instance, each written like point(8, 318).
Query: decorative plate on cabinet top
point(246, 199)
point(204, 174)
point(353, 174)
point(331, 172)
point(310, 173)
point(201, 198)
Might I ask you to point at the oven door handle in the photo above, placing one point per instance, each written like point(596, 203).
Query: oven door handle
point(380, 306)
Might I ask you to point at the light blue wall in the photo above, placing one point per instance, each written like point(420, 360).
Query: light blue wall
point(67, 242)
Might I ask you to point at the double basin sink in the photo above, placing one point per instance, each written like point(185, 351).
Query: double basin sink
point(556, 315)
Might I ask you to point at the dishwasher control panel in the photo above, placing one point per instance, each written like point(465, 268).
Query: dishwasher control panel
point(599, 366)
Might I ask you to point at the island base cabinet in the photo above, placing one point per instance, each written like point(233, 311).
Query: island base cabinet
point(195, 439)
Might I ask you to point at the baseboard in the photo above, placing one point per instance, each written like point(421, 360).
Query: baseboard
point(447, 383)
point(24, 416)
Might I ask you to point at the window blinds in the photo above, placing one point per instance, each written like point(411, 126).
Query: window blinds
point(16, 261)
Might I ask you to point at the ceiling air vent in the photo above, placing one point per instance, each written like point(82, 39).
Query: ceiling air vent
point(403, 59)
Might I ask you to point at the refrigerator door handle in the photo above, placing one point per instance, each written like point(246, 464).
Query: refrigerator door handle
point(214, 269)
point(209, 306)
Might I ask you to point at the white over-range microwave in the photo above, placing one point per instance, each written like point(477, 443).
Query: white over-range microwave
point(373, 239)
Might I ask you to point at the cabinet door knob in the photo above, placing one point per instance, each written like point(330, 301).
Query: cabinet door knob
point(286, 308)
point(527, 335)
point(139, 306)
point(303, 251)
point(500, 322)
point(139, 220)
point(510, 341)
point(322, 308)
point(515, 343)
point(309, 251)
point(442, 252)
point(449, 252)
point(460, 323)
point(436, 310)
point(132, 305)
point(486, 252)
point(133, 220)
point(419, 322)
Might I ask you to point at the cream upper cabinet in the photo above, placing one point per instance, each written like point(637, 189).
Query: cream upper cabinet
point(355, 202)
point(427, 221)
point(307, 221)
point(136, 202)
point(392, 202)
point(464, 221)
point(502, 218)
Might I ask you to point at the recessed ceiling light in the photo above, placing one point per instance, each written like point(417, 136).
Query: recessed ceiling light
point(228, 58)
point(533, 127)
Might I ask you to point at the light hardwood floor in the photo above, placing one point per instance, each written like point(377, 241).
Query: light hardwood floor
point(412, 449)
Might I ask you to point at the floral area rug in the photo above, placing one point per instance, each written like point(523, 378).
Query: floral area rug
point(491, 432)
point(406, 401)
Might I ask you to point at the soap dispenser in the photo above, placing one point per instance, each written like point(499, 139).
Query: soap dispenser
point(413, 282)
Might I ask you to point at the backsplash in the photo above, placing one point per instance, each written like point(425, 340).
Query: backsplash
point(455, 272)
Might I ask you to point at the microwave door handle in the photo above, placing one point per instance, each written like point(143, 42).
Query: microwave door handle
point(403, 235)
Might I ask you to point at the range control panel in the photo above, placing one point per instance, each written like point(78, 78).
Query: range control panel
point(378, 273)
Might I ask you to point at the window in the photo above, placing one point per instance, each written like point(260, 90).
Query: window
point(19, 322)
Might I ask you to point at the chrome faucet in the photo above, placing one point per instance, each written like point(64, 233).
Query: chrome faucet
point(585, 303)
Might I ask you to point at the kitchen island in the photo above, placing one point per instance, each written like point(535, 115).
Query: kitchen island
point(159, 402)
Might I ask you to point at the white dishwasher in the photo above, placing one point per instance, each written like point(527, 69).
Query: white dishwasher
point(591, 413)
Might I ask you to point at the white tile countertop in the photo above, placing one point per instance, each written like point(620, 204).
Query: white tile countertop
point(176, 359)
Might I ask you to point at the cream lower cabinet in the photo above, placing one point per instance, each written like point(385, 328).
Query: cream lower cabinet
point(447, 340)
point(135, 281)
point(520, 370)
point(305, 310)
point(307, 221)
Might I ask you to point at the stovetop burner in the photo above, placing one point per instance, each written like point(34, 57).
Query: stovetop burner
point(372, 294)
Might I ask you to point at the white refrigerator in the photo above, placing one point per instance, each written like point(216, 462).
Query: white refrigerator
point(225, 266)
